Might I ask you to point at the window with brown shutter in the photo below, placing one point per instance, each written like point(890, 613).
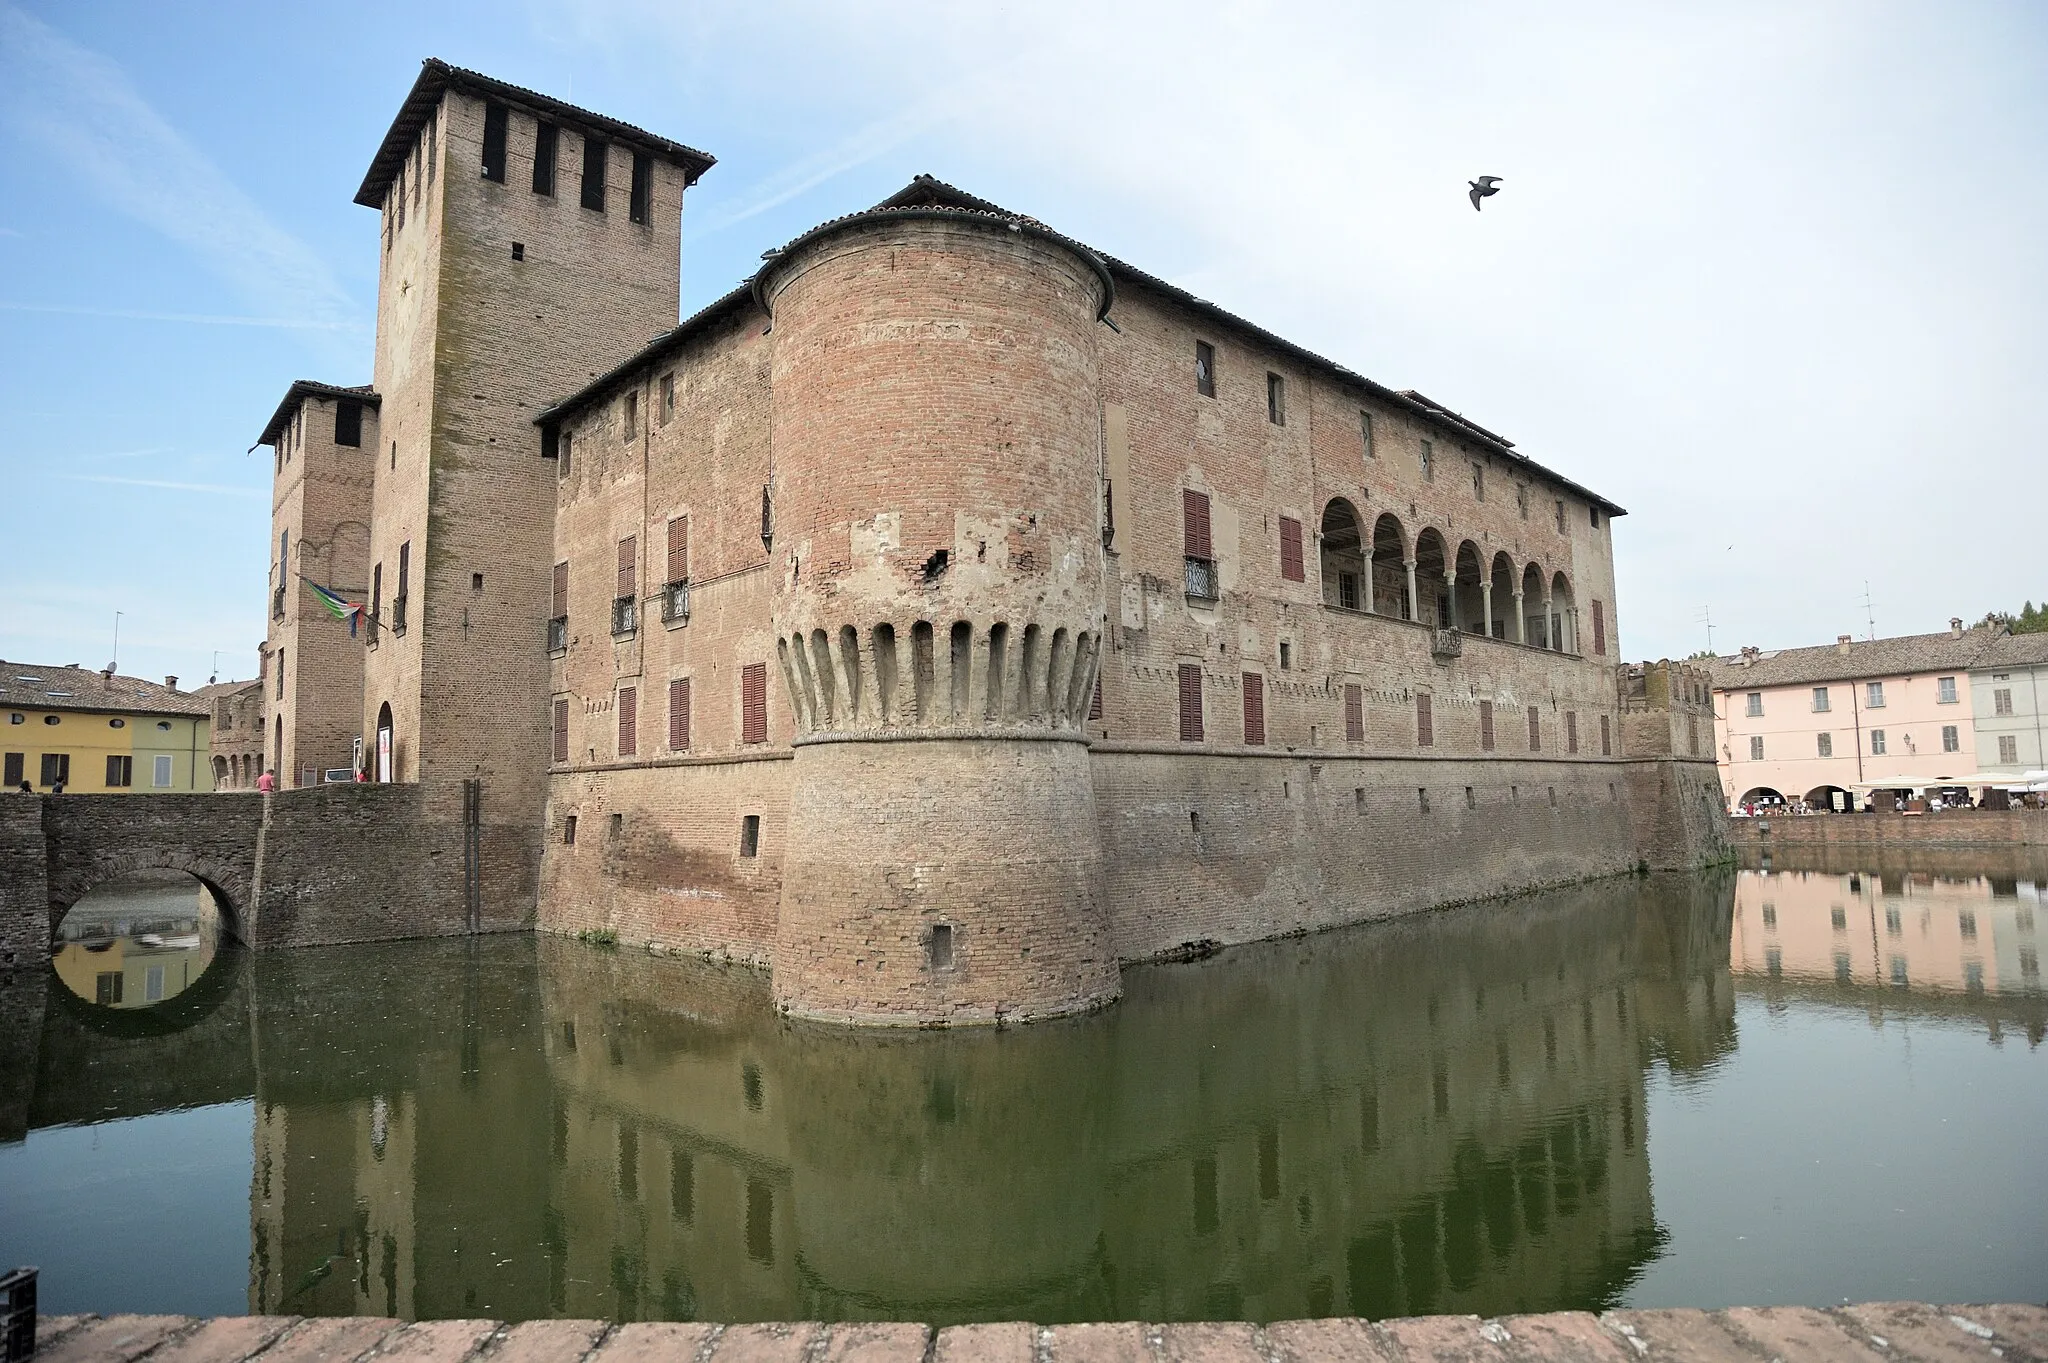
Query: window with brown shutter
point(1254, 708)
point(1571, 731)
point(1535, 731)
point(1607, 739)
point(1599, 630)
point(679, 714)
point(1486, 726)
point(1195, 522)
point(1190, 703)
point(1196, 544)
point(1425, 720)
point(1354, 713)
point(754, 703)
point(629, 555)
point(561, 728)
point(1290, 550)
point(629, 721)
point(678, 548)
point(558, 610)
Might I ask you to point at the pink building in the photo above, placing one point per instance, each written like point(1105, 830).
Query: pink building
point(1827, 725)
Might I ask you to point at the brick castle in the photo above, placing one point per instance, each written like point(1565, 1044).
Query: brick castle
point(942, 617)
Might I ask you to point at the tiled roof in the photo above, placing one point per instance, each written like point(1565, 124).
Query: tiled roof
point(2014, 650)
point(1906, 655)
point(302, 389)
point(929, 192)
point(437, 76)
point(26, 686)
point(213, 691)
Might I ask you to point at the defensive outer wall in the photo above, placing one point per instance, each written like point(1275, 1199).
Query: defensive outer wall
point(1907, 1331)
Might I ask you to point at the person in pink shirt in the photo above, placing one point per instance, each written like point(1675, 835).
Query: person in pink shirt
point(267, 782)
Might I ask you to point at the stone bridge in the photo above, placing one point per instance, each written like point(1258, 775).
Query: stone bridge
point(329, 864)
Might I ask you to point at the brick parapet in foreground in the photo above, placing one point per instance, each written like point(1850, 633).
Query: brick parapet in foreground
point(1782, 1334)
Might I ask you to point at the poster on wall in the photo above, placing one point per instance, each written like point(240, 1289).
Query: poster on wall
point(383, 754)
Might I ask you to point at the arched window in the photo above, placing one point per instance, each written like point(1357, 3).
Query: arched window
point(1343, 558)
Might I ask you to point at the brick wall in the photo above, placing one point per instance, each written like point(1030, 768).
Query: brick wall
point(1950, 828)
point(366, 863)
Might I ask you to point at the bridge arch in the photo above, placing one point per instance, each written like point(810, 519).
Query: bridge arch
point(229, 879)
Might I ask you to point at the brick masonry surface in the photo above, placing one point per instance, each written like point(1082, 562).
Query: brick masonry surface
point(1950, 828)
point(1907, 1331)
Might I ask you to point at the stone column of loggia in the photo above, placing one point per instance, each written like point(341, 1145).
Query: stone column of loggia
point(1414, 606)
point(939, 604)
point(1486, 607)
point(1521, 620)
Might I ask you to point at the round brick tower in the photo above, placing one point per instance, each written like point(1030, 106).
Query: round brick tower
point(938, 607)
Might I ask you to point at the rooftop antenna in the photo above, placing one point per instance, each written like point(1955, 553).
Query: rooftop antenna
point(216, 668)
point(1707, 617)
point(115, 666)
point(1869, 612)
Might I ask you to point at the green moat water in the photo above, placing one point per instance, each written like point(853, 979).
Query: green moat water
point(1785, 1087)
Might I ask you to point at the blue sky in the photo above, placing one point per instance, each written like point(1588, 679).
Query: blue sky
point(1768, 274)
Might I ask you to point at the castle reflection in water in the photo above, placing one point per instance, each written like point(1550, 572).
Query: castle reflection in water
point(1443, 1114)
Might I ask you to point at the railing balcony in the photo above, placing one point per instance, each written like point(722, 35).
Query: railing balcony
point(675, 601)
point(398, 614)
point(1201, 579)
point(625, 618)
point(558, 634)
point(277, 604)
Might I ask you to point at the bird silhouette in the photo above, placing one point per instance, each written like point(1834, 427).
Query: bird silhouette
point(1482, 187)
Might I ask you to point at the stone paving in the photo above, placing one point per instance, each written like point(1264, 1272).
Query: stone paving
point(1907, 1331)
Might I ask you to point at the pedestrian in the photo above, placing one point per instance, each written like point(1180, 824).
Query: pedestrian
point(267, 782)
point(27, 789)
point(57, 789)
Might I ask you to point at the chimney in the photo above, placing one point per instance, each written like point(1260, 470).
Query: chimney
point(1842, 643)
point(170, 683)
point(1955, 627)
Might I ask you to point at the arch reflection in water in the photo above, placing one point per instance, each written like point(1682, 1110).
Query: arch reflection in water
point(137, 941)
point(1438, 1115)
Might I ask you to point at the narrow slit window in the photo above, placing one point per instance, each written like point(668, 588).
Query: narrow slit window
point(545, 139)
point(1205, 369)
point(593, 174)
point(495, 119)
point(641, 201)
point(1276, 399)
point(750, 836)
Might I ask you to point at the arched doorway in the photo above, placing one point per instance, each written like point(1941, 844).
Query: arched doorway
point(1502, 586)
point(1343, 559)
point(1389, 595)
point(1432, 582)
point(1761, 798)
point(1564, 616)
point(1830, 800)
point(1469, 606)
point(1535, 616)
point(386, 743)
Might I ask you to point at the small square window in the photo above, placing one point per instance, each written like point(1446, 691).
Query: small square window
point(569, 831)
point(518, 250)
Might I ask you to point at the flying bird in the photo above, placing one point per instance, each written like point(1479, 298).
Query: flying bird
point(1482, 187)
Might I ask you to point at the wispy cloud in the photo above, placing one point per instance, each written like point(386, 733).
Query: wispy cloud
point(877, 138)
point(83, 109)
point(217, 489)
point(206, 319)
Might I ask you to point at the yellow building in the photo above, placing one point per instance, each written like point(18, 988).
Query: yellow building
point(95, 733)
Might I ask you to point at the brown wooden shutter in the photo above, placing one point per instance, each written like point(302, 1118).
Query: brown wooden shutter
point(629, 555)
point(1290, 550)
point(1191, 696)
point(1599, 630)
point(561, 731)
point(1095, 702)
point(1571, 731)
point(1607, 738)
point(629, 721)
point(1425, 720)
point(1486, 726)
point(1354, 713)
point(754, 703)
point(560, 607)
point(1535, 731)
point(1254, 708)
point(1195, 524)
point(679, 548)
point(679, 714)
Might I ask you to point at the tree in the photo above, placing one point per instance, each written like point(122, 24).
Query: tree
point(2032, 619)
point(1705, 655)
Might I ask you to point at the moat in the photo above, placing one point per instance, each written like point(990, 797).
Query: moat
point(1805, 1085)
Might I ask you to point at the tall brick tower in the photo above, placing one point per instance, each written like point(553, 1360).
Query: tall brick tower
point(526, 246)
point(938, 612)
